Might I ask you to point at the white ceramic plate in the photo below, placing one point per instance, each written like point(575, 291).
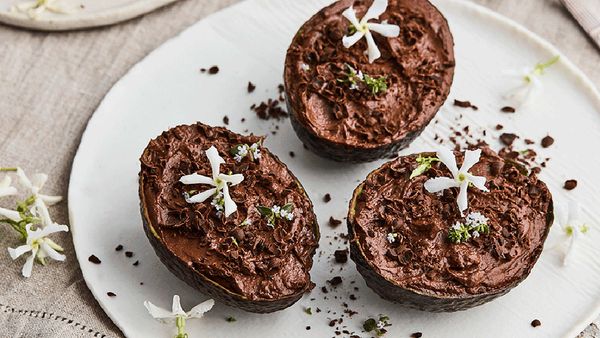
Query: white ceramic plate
point(81, 13)
point(248, 41)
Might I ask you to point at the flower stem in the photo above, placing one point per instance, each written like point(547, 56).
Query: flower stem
point(8, 169)
point(180, 322)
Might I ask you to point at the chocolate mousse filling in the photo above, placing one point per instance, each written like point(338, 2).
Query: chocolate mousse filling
point(422, 268)
point(353, 124)
point(240, 259)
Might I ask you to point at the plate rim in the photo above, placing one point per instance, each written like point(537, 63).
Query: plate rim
point(586, 82)
point(89, 20)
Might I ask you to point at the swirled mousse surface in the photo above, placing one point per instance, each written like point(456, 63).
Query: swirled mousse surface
point(422, 259)
point(419, 66)
point(267, 263)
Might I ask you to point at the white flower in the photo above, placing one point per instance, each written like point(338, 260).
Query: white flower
point(391, 237)
point(457, 226)
point(381, 324)
point(34, 8)
point(461, 177)
point(177, 314)
point(255, 148)
point(6, 189)
point(529, 83)
point(220, 182)
point(305, 67)
point(34, 185)
point(289, 216)
point(475, 234)
point(475, 219)
point(573, 228)
point(364, 28)
point(276, 209)
point(40, 246)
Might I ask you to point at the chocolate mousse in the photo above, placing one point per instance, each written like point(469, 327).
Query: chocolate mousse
point(413, 247)
point(346, 108)
point(245, 235)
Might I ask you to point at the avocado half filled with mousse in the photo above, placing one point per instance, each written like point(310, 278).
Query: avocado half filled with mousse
point(434, 236)
point(364, 78)
point(228, 217)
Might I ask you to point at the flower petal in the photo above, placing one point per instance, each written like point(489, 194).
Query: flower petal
point(201, 197)
point(349, 41)
point(199, 310)
point(230, 206)
point(50, 200)
point(574, 211)
point(377, 8)
point(232, 179)
point(28, 267)
point(23, 179)
point(438, 184)
point(372, 50)
point(50, 252)
point(19, 251)
point(350, 14)
point(196, 179)
point(471, 158)
point(389, 31)
point(447, 157)
point(177, 310)
point(478, 182)
point(10, 214)
point(53, 228)
point(158, 312)
point(463, 200)
point(571, 247)
point(215, 160)
point(38, 180)
point(41, 211)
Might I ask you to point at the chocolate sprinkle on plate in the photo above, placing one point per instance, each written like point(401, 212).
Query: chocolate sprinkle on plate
point(94, 259)
point(536, 323)
point(129, 254)
point(251, 87)
point(334, 222)
point(119, 247)
point(499, 127)
point(213, 70)
point(570, 184)
point(292, 154)
point(335, 281)
point(111, 294)
point(508, 109)
point(341, 256)
point(508, 138)
point(327, 198)
point(226, 120)
point(547, 141)
point(416, 335)
point(136, 263)
point(463, 104)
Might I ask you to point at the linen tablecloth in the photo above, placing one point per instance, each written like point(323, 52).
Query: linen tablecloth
point(51, 83)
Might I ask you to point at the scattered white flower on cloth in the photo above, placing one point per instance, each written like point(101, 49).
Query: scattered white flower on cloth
point(177, 314)
point(391, 237)
point(573, 228)
point(35, 8)
point(461, 178)
point(31, 220)
point(40, 246)
point(220, 182)
point(529, 83)
point(364, 28)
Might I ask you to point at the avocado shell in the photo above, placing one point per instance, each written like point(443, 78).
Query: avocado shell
point(415, 298)
point(206, 285)
point(346, 153)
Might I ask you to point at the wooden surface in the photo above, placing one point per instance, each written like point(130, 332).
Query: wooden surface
point(52, 82)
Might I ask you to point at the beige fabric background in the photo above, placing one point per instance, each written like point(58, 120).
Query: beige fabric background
point(50, 84)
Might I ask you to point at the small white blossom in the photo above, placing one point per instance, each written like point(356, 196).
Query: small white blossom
point(391, 237)
point(220, 182)
point(364, 28)
point(246, 222)
point(289, 216)
point(475, 219)
point(475, 234)
point(276, 209)
point(35, 8)
point(461, 177)
point(529, 83)
point(40, 246)
point(305, 67)
point(255, 148)
point(381, 325)
point(177, 314)
point(573, 228)
point(34, 185)
point(457, 226)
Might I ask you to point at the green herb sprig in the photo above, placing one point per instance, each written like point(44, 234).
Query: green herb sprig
point(425, 164)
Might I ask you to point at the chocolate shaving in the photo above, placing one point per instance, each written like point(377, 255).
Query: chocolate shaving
point(119, 247)
point(508, 109)
point(547, 141)
point(334, 222)
point(508, 138)
point(465, 104)
point(94, 259)
point(570, 184)
point(341, 256)
point(327, 198)
point(213, 70)
point(251, 87)
point(111, 294)
point(536, 323)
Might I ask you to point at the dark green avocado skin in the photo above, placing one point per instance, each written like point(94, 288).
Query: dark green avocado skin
point(209, 287)
point(421, 300)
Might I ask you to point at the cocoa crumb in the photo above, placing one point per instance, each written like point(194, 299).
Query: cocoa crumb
point(94, 259)
point(536, 323)
point(327, 198)
point(213, 70)
point(570, 184)
point(251, 87)
point(508, 109)
point(341, 256)
point(334, 222)
point(508, 138)
point(547, 141)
